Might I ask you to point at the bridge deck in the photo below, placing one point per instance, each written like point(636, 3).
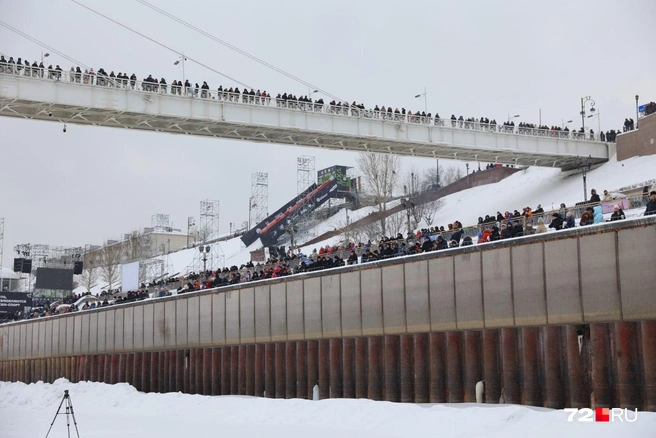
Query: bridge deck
point(251, 118)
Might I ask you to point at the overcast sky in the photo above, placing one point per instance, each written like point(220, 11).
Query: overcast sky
point(476, 58)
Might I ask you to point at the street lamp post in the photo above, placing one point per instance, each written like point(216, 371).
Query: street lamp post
point(512, 117)
point(637, 97)
point(585, 100)
point(563, 123)
point(182, 60)
point(43, 56)
point(424, 95)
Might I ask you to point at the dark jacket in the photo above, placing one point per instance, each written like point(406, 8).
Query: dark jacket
point(651, 208)
point(595, 198)
point(556, 222)
point(617, 215)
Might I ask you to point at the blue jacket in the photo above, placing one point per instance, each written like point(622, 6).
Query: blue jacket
point(570, 222)
point(598, 216)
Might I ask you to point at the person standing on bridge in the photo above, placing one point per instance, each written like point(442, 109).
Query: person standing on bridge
point(651, 205)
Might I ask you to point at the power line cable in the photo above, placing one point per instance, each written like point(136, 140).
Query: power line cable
point(43, 45)
point(187, 57)
point(236, 49)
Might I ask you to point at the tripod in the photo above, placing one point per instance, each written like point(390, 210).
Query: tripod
point(69, 411)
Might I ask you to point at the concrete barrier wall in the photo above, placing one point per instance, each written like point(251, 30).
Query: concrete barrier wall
point(586, 275)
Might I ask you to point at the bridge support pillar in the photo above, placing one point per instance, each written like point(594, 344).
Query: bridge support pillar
point(313, 366)
point(511, 376)
point(406, 371)
point(554, 379)
point(454, 367)
point(301, 370)
point(290, 369)
point(259, 370)
point(361, 367)
point(648, 344)
point(601, 373)
point(437, 372)
point(576, 381)
point(472, 358)
point(348, 368)
point(530, 367)
point(270, 371)
point(391, 370)
point(324, 369)
point(627, 366)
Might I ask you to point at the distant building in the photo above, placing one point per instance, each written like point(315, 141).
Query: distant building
point(9, 280)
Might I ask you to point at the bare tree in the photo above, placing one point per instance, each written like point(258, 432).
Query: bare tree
point(89, 277)
point(137, 246)
point(110, 263)
point(429, 209)
point(363, 233)
point(448, 175)
point(396, 223)
point(380, 173)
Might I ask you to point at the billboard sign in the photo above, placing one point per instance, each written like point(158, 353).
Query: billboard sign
point(12, 302)
point(336, 172)
point(54, 278)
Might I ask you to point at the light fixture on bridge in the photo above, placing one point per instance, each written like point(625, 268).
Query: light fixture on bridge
point(585, 100)
point(512, 117)
point(425, 96)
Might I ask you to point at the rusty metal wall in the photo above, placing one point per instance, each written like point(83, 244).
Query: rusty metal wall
point(612, 365)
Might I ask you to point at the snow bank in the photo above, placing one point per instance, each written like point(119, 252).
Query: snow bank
point(119, 410)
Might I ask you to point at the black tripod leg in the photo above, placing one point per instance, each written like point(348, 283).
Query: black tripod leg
point(53, 420)
point(70, 403)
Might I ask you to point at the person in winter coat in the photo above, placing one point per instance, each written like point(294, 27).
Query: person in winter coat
point(541, 228)
point(557, 221)
point(651, 205)
point(569, 220)
point(538, 210)
point(518, 229)
point(506, 231)
point(594, 196)
point(586, 217)
point(529, 230)
point(495, 235)
point(598, 215)
point(485, 236)
point(607, 197)
point(618, 214)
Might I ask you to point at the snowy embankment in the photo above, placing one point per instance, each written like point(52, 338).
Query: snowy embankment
point(103, 410)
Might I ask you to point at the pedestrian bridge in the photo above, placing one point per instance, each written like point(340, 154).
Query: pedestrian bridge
point(82, 99)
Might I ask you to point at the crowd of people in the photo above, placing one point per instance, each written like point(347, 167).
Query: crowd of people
point(490, 228)
point(289, 100)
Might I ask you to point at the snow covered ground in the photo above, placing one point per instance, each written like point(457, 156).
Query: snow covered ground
point(103, 410)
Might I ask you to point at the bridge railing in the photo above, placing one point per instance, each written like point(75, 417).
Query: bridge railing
point(94, 79)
